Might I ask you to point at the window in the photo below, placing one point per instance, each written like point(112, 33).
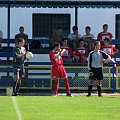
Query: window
point(117, 26)
point(44, 25)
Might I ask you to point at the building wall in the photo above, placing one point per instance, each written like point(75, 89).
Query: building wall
point(3, 21)
point(94, 17)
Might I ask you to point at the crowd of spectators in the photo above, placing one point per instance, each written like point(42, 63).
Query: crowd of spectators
point(77, 46)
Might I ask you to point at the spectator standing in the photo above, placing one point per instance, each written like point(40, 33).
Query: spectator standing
point(74, 37)
point(104, 34)
point(22, 35)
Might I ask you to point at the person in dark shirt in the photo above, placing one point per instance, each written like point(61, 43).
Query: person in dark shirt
point(57, 37)
point(22, 35)
point(19, 56)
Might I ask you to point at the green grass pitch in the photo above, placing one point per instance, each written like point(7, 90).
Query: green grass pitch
point(61, 108)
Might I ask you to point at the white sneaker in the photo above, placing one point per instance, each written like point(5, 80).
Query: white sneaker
point(69, 94)
point(55, 95)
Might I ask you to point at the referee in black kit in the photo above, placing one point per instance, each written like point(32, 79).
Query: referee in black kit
point(95, 58)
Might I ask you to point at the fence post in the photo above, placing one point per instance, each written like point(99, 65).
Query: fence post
point(113, 79)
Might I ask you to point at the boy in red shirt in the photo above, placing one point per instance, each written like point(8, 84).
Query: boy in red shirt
point(104, 34)
point(109, 49)
point(58, 70)
point(67, 54)
point(81, 53)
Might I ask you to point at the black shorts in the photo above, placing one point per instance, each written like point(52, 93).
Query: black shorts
point(19, 70)
point(96, 74)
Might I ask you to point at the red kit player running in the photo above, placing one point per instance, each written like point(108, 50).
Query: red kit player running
point(58, 70)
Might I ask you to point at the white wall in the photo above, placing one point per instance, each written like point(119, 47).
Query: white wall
point(3, 21)
point(40, 58)
point(23, 17)
point(94, 17)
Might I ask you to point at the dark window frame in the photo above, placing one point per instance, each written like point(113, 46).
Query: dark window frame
point(40, 22)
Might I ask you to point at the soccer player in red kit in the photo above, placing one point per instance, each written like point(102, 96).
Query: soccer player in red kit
point(58, 70)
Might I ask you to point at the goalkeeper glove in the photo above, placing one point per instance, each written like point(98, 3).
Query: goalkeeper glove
point(90, 72)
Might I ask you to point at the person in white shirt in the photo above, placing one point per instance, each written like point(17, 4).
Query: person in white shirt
point(74, 37)
point(95, 67)
point(88, 36)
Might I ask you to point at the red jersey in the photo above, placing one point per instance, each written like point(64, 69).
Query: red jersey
point(109, 50)
point(55, 61)
point(102, 36)
point(67, 53)
point(82, 53)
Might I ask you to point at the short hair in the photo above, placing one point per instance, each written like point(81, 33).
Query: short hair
point(74, 28)
point(81, 40)
point(95, 43)
point(64, 39)
point(88, 27)
point(107, 39)
point(21, 27)
point(59, 28)
point(57, 44)
point(105, 25)
point(20, 40)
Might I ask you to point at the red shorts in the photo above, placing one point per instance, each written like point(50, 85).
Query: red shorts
point(58, 72)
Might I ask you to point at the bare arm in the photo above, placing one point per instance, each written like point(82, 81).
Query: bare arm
point(59, 53)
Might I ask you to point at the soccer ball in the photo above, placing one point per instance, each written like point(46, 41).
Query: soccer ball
point(29, 55)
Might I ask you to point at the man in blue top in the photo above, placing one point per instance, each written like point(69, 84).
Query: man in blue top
point(19, 53)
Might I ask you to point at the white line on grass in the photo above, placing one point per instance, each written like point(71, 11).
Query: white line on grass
point(19, 115)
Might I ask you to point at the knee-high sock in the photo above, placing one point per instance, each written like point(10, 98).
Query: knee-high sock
point(56, 86)
point(89, 89)
point(52, 85)
point(66, 84)
point(99, 89)
point(14, 87)
point(17, 87)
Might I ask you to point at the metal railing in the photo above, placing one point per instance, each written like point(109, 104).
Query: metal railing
point(38, 76)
